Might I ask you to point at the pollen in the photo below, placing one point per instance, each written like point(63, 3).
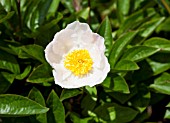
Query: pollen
point(78, 62)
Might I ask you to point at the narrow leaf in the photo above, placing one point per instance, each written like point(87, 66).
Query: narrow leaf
point(119, 46)
point(105, 30)
point(160, 43)
point(139, 53)
point(24, 74)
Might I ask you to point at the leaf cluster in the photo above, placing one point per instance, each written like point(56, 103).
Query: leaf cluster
point(137, 39)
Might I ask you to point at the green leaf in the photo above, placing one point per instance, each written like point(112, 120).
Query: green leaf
point(16, 105)
point(126, 65)
point(115, 113)
point(33, 51)
point(6, 79)
point(76, 119)
point(53, 7)
point(119, 46)
point(105, 30)
point(142, 99)
point(68, 93)
point(88, 99)
point(158, 67)
point(118, 84)
point(122, 97)
point(167, 113)
point(42, 37)
point(134, 20)
point(164, 26)
point(84, 13)
point(138, 53)
point(36, 95)
point(8, 16)
point(92, 91)
point(158, 42)
point(162, 84)
point(41, 74)
point(11, 47)
point(56, 113)
point(150, 26)
point(24, 74)
point(123, 8)
point(9, 62)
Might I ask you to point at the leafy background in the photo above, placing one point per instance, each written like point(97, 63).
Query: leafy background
point(137, 38)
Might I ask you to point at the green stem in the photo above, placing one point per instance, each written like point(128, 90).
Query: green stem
point(19, 13)
point(166, 5)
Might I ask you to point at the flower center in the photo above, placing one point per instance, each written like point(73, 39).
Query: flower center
point(79, 62)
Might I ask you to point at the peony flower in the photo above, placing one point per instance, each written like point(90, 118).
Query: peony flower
point(76, 55)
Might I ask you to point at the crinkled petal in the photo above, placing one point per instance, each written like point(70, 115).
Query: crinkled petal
point(50, 56)
point(60, 73)
point(89, 38)
point(78, 27)
point(63, 42)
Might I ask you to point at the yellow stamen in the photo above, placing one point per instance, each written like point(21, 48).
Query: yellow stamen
point(79, 62)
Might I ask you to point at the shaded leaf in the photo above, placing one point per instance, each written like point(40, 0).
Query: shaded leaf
point(115, 113)
point(36, 95)
point(158, 67)
point(162, 84)
point(24, 74)
point(117, 84)
point(8, 16)
point(33, 51)
point(68, 93)
point(56, 113)
point(6, 79)
point(9, 62)
point(41, 74)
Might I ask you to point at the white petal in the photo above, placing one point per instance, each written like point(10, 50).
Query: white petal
point(50, 56)
point(63, 42)
point(78, 27)
point(95, 54)
point(77, 82)
point(60, 73)
point(77, 35)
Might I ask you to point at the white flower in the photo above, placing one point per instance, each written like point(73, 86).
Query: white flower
point(77, 57)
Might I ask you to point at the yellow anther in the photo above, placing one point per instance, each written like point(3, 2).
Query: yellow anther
point(78, 62)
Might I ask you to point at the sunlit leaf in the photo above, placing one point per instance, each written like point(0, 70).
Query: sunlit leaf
point(16, 105)
point(118, 47)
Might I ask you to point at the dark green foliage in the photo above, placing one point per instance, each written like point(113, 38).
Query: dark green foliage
point(137, 40)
